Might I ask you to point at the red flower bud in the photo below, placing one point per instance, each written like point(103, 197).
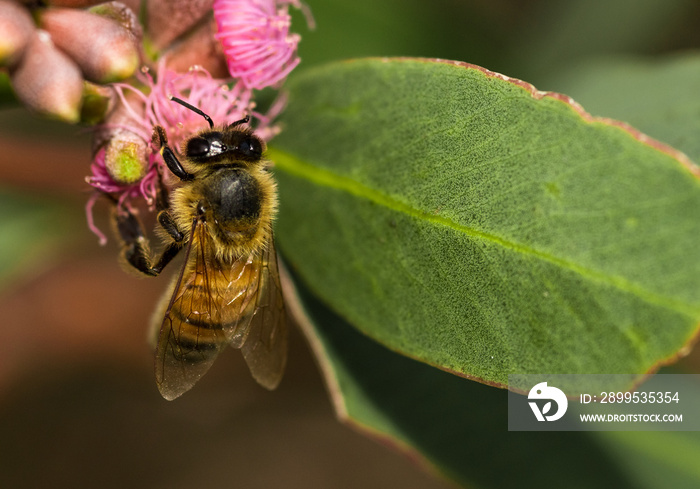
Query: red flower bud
point(199, 48)
point(48, 81)
point(17, 27)
point(169, 19)
point(104, 50)
point(123, 15)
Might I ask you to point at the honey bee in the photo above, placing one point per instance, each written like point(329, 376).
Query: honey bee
point(228, 290)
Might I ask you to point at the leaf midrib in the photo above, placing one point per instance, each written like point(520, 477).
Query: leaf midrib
point(322, 177)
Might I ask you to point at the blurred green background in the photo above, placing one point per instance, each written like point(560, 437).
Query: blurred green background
point(78, 405)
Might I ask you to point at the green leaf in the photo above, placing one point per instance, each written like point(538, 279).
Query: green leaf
point(658, 96)
point(468, 221)
point(455, 427)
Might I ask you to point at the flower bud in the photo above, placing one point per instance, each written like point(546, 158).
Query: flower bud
point(17, 27)
point(96, 103)
point(121, 152)
point(47, 81)
point(169, 19)
point(126, 158)
point(123, 15)
point(104, 50)
point(199, 48)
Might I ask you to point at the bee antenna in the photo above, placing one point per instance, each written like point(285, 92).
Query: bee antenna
point(194, 109)
point(245, 120)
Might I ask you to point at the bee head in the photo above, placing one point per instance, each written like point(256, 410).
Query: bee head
point(234, 142)
point(231, 143)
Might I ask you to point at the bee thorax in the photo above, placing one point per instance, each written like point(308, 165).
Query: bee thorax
point(233, 198)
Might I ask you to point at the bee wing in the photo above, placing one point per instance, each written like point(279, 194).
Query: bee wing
point(191, 335)
point(215, 303)
point(265, 344)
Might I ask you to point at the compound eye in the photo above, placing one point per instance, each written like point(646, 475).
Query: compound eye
point(250, 147)
point(197, 147)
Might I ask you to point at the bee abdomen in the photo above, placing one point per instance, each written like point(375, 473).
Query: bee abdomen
point(196, 335)
point(202, 327)
point(196, 349)
point(203, 321)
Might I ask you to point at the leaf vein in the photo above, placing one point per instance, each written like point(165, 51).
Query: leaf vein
point(323, 177)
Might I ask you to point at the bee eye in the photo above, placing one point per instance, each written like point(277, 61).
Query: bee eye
point(197, 147)
point(250, 147)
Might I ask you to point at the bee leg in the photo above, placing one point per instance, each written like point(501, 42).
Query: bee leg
point(160, 139)
point(162, 195)
point(168, 223)
point(170, 252)
point(135, 246)
point(166, 257)
point(136, 250)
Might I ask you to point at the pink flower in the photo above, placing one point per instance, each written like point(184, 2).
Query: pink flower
point(123, 193)
point(143, 111)
point(260, 51)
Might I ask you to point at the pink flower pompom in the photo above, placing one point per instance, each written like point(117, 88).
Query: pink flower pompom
point(260, 50)
point(222, 103)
